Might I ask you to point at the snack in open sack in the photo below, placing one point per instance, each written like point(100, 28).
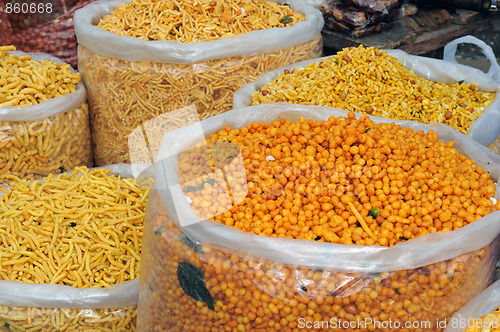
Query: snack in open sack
point(70, 251)
point(267, 226)
point(44, 116)
point(390, 84)
point(135, 73)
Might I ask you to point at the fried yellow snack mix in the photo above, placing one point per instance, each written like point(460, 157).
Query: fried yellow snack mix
point(202, 20)
point(370, 81)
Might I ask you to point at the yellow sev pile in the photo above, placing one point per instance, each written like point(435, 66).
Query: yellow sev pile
point(370, 81)
point(24, 81)
point(82, 229)
point(194, 21)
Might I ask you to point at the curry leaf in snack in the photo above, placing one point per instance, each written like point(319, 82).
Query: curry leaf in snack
point(286, 19)
point(159, 230)
point(187, 241)
point(192, 283)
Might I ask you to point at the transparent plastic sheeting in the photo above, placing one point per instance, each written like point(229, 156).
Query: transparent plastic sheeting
point(367, 259)
point(451, 48)
point(22, 294)
point(47, 108)
point(484, 130)
point(486, 302)
point(128, 48)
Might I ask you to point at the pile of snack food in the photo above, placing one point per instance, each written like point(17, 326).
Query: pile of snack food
point(204, 21)
point(82, 229)
point(346, 181)
point(28, 82)
point(338, 181)
point(41, 27)
point(370, 81)
point(38, 138)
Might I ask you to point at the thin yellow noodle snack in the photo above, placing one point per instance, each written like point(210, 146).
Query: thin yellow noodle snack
point(124, 94)
point(82, 229)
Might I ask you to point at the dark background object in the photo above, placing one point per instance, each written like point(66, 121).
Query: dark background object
point(425, 32)
point(476, 5)
point(42, 31)
point(359, 17)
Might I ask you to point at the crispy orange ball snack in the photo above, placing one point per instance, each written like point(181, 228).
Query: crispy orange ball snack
point(347, 181)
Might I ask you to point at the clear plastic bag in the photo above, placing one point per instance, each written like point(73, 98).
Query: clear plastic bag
point(130, 81)
point(199, 275)
point(66, 319)
point(486, 302)
point(494, 71)
point(47, 138)
point(484, 130)
point(52, 307)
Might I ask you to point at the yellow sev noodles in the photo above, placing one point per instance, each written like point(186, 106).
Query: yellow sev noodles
point(370, 81)
point(194, 21)
point(24, 81)
point(33, 319)
point(82, 229)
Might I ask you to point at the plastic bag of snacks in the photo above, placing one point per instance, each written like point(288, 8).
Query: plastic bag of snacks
point(44, 116)
point(493, 72)
point(42, 27)
point(131, 80)
point(70, 253)
point(480, 314)
point(382, 194)
point(391, 84)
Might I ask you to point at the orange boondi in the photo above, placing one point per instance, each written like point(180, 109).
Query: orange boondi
point(345, 181)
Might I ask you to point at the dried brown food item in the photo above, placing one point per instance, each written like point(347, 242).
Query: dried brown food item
point(46, 27)
point(372, 28)
point(360, 17)
point(355, 17)
point(374, 6)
